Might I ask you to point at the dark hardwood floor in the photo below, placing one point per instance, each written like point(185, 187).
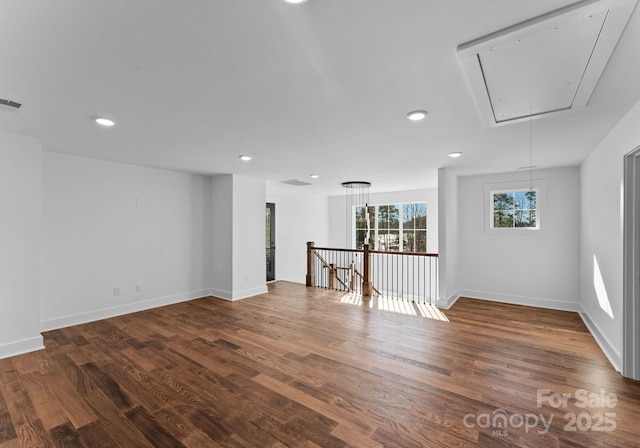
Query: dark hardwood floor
point(295, 367)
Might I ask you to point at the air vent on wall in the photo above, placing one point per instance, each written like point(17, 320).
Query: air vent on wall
point(9, 106)
point(295, 182)
point(544, 65)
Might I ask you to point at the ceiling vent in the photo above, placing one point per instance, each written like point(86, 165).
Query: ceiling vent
point(9, 106)
point(544, 65)
point(295, 182)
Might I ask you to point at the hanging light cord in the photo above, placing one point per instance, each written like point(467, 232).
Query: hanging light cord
point(530, 153)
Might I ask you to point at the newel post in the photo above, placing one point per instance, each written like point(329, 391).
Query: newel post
point(311, 269)
point(366, 267)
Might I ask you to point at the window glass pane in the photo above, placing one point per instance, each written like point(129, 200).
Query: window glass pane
point(408, 216)
point(388, 217)
point(421, 215)
point(519, 200)
point(409, 241)
point(525, 199)
point(394, 216)
point(383, 217)
point(503, 218)
point(382, 240)
point(360, 234)
point(360, 218)
point(503, 201)
point(388, 240)
point(414, 241)
point(530, 202)
point(421, 241)
point(394, 240)
point(414, 217)
point(531, 218)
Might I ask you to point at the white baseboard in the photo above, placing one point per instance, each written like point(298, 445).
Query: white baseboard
point(447, 303)
point(612, 354)
point(21, 347)
point(232, 296)
point(522, 300)
point(221, 294)
point(104, 313)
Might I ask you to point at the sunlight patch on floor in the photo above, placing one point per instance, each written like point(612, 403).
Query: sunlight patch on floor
point(392, 305)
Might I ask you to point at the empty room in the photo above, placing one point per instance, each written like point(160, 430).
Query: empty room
point(319, 223)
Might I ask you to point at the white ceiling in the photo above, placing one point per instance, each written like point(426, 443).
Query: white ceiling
point(321, 87)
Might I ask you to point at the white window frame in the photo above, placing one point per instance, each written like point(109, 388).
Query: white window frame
point(512, 190)
point(374, 232)
point(539, 185)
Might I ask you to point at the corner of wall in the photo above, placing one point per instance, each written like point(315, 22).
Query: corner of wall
point(607, 348)
point(21, 347)
point(448, 302)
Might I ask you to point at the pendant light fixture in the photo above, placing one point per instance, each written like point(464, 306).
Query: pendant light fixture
point(357, 195)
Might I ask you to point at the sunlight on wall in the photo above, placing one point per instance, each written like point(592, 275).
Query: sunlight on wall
point(601, 290)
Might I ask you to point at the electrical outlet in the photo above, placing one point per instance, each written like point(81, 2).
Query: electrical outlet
point(138, 287)
point(116, 291)
point(248, 277)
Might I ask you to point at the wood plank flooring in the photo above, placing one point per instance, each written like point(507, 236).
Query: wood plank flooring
point(296, 367)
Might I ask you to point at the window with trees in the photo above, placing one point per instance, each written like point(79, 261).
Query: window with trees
point(392, 227)
point(514, 209)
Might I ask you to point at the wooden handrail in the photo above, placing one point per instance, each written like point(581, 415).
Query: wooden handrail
point(420, 254)
point(325, 263)
point(339, 250)
point(349, 284)
point(371, 251)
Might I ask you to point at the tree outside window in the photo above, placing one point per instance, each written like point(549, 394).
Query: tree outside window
point(414, 227)
point(393, 227)
point(388, 235)
point(511, 209)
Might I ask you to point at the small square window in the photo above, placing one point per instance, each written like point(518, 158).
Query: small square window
point(514, 209)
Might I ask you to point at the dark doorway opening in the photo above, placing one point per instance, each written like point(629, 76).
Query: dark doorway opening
point(270, 240)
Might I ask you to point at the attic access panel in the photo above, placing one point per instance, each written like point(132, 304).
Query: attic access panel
point(544, 65)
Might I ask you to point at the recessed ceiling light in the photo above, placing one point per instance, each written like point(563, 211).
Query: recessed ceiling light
point(295, 2)
point(417, 115)
point(455, 154)
point(245, 158)
point(314, 176)
point(103, 121)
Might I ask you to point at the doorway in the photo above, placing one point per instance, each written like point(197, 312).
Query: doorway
point(631, 304)
point(270, 240)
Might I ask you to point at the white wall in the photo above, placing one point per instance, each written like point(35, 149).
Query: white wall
point(110, 225)
point(221, 240)
point(449, 261)
point(249, 257)
point(339, 222)
point(602, 233)
point(20, 244)
point(537, 268)
point(300, 218)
